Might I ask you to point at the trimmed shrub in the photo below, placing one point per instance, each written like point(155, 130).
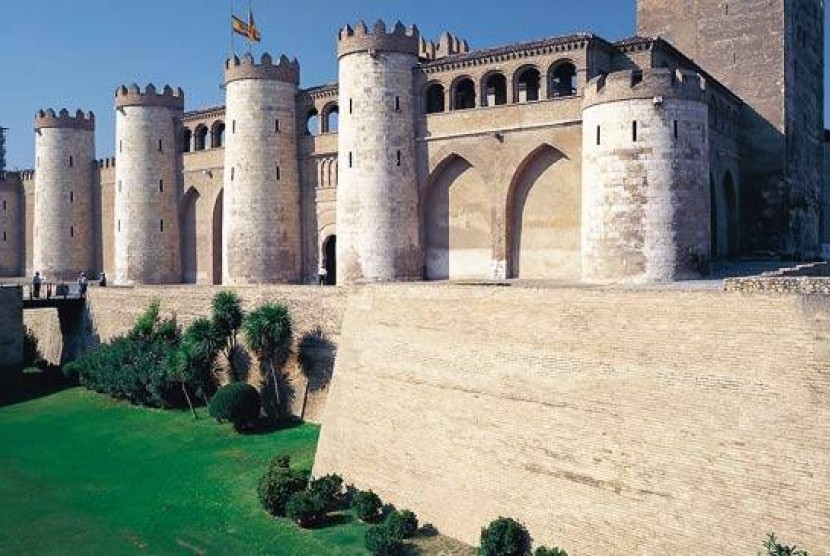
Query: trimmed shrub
point(402, 524)
point(306, 508)
point(381, 542)
point(545, 551)
point(236, 402)
point(505, 537)
point(366, 505)
point(328, 488)
point(72, 370)
point(277, 486)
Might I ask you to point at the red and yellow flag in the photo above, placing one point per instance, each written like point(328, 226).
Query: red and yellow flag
point(247, 30)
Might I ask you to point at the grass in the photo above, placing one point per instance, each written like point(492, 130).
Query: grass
point(83, 474)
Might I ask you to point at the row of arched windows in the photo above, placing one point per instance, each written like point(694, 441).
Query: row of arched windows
point(494, 90)
point(323, 122)
point(203, 138)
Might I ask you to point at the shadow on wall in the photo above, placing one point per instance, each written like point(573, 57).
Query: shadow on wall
point(315, 355)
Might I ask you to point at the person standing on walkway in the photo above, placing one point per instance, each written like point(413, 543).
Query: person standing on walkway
point(36, 282)
point(322, 274)
point(82, 285)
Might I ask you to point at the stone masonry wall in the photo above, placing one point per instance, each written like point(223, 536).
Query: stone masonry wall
point(610, 422)
point(11, 330)
point(11, 226)
point(113, 311)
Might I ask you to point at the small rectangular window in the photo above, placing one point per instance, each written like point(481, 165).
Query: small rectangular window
point(161, 186)
point(119, 225)
point(71, 196)
point(350, 159)
point(399, 158)
point(278, 172)
point(38, 162)
point(161, 225)
point(675, 129)
point(120, 146)
point(599, 135)
point(233, 126)
point(634, 131)
point(4, 205)
point(232, 172)
point(119, 186)
point(397, 104)
point(160, 145)
point(351, 106)
point(71, 231)
point(71, 162)
point(277, 126)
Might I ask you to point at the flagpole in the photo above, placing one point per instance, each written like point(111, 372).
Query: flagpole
point(233, 46)
point(250, 39)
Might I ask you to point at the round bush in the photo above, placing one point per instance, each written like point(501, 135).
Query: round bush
point(305, 508)
point(380, 541)
point(402, 524)
point(236, 402)
point(277, 486)
point(505, 537)
point(328, 489)
point(367, 506)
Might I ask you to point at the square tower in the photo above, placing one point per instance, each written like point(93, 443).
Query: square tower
point(770, 53)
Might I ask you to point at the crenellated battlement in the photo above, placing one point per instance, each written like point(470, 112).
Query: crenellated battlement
point(102, 163)
point(64, 120)
point(447, 45)
point(134, 96)
point(285, 70)
point(655, 83)
point(406, 40)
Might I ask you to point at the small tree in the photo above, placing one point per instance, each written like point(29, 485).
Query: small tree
point(226, 318)
point(203, 344)
point(182, 370)
point(367, 506)
point(268, 334)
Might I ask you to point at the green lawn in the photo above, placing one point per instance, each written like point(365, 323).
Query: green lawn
point(82, 474)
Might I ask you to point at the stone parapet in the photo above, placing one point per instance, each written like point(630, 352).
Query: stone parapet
point(246, 67)
point(134, 96)
point(48, 119)
point(359, 39)
point(801, 285)
point(657, 84)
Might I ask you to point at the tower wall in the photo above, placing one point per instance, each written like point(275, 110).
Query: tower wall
point(645, 198)
point(64, 242)
point(377, 194)
point(11, 225)
point(261, 210)
point(147, 248)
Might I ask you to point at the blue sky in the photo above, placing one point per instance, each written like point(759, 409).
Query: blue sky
point(74, 53)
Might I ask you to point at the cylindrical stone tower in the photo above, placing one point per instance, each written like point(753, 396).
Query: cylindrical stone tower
point(147, 249)
point(645, 177)
point(261, 240)
point(11, 225)
point(377, 190)
point(63, 242)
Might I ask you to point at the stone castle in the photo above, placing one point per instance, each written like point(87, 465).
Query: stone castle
point(570, 158)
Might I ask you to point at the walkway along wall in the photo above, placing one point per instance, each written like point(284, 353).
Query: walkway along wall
point(610, 422)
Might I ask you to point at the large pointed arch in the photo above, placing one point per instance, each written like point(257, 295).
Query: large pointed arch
point(188, 214)
point(457, 221)
point(543, 216)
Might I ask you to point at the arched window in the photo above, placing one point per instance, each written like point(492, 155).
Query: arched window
point(312, 122)
point(495, 90)
point(464, 94)
point(435, 98)
point(331, 118)
point(187, 139)
point(200, 142)
point(527, 85)
point(217, 135)
point(562, 80)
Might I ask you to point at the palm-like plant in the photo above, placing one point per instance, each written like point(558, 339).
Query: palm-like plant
point(226, 319)
point(202, 344)
point(267, 332)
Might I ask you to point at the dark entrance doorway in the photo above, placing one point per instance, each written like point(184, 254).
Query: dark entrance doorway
point(330, 259)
